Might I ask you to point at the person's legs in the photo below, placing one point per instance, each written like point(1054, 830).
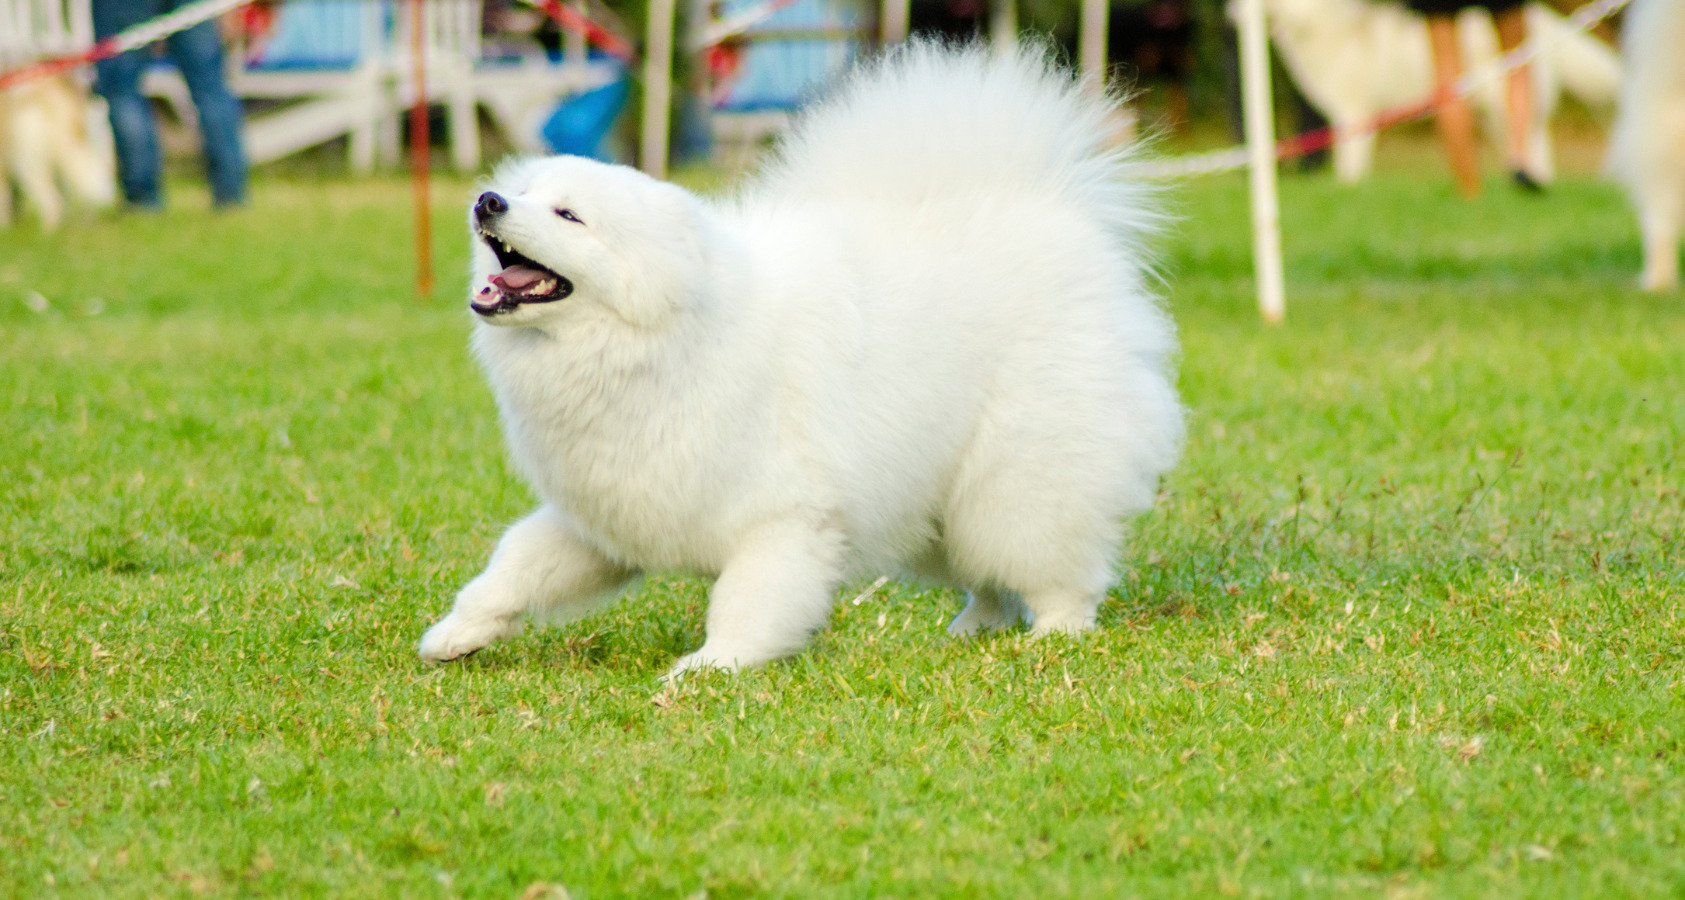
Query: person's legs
point(1518, 98)
point(132, 125)
point(198, 52)
point(1456, 123)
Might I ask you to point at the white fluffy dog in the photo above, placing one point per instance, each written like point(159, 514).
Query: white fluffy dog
point(920, 342)
point(1354, 59)
point(51, 135)
point(1648, 150)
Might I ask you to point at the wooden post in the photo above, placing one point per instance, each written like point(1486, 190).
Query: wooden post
point(658, 85)
point(1091, 51)
point(892, 22)
point(420, 138)
point(1003, 26)
point(575, 50)
point(1260, 146)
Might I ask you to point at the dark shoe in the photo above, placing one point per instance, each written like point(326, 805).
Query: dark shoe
point(1527, 183)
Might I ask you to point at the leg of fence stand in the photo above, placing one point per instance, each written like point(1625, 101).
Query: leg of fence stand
point(574, 50)
point(420, 142)
point(658, 83)
point(1091, 49)
point(1003, 26)
point(1260, 146)
point(892, 27)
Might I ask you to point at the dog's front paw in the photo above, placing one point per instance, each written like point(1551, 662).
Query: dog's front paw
point(704, 659)
point(1068, 623)
point(456, 636)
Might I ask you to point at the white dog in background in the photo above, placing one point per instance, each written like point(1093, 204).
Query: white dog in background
point(1354, 59)
point(1647, 153)
point(53, 136)
point(921, 342)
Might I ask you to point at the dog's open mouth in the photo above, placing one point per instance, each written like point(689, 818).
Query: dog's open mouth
point(523, 280)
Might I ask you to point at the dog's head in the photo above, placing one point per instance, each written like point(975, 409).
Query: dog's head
point(554, 233)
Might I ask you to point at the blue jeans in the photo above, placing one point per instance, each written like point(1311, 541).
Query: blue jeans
point(198, 52)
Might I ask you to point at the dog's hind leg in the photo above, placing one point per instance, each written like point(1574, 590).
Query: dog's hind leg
point(987, 609)
point(32, 163)
point(1541, 154)
point(540, 568)
point(1049, 548)
point(1039, 498)
point(1354, 155)
point(1659, 216)
point(772, 595)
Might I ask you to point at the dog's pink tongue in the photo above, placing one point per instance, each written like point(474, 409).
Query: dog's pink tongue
point(517, 278)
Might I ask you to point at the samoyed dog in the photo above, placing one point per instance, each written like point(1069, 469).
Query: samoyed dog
point(1354, 59)
point(52, 136)
point(921, 341)
point(1647, 153)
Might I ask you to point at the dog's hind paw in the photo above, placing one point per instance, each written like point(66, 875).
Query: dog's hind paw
point(986, 610)
point(456, 636)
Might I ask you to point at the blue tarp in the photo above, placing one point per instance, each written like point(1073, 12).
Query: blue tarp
point(314, 34)
point(580, 124)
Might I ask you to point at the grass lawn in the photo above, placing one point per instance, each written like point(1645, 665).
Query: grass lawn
point(1407, 619)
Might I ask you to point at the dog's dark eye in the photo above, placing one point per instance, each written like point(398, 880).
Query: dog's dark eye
point(568, 215)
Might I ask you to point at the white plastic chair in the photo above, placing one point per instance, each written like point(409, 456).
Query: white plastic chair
point(36, 29)
point(328, 55)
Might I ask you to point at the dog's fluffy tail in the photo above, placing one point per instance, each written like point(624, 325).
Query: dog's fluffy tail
point(930, 122)
point(1587, 68)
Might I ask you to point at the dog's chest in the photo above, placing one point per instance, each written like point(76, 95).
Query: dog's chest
point(627, 456)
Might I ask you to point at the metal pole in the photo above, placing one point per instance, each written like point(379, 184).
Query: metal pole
point(658, 83)
point(419, 165)
point(1260, 147)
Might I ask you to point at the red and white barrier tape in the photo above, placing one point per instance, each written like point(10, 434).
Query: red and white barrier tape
point(1229, 159)
point(573, 20)
point(1581, 20)
point(140, 35)
point(725, 29)
point(199, 11)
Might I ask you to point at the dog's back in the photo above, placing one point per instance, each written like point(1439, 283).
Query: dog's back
point(932, 123)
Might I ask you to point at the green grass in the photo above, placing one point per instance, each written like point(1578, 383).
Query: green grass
point(1407, 619)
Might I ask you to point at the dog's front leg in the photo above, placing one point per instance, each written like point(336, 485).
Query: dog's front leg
point(1354, 155)
point(540, 568)
point(1660, 217)
point(772, 595)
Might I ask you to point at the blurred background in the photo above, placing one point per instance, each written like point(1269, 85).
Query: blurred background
point(323, 84)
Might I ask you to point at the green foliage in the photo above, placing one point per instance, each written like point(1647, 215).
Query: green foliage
point(1407, 618)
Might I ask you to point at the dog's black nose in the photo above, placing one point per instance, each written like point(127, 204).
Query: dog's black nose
point(490, 205)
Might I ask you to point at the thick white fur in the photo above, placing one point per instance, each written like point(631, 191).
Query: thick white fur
point(1648, 150)
point(1354, 59)
point(920, 342)
point(49, 137)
